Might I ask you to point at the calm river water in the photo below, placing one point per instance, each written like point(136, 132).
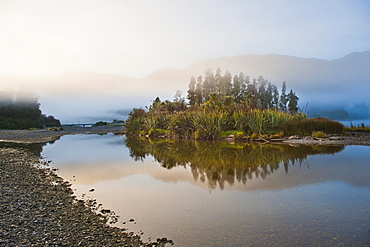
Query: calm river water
point(224, 194)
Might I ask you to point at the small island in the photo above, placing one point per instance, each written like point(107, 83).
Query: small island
point(226, 107)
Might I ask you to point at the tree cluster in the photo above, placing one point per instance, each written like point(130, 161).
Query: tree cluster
point(221, 106)
point(20, 112)
point(49, 121)
point(256, 93)
point(217, 104)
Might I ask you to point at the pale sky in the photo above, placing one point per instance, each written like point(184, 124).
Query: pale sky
point(135, 38)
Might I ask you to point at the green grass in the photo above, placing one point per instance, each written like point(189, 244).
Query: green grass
point(357, 129)
point(319, 134)
point(309, 125)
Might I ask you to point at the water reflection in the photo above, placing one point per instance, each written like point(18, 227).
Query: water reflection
point(34, 148)
point(280, 195)
point(218, 163)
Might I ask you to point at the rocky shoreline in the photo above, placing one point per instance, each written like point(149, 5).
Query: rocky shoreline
point(43, 135)
point(39, 208)
point(350, 138)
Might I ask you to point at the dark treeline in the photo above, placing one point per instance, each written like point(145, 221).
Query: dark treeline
point(22, 111)
point(256, 93)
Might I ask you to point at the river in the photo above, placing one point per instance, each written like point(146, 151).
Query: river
point(201, 193)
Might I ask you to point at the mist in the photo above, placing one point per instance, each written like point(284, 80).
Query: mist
point(335, 89)
point(107, 58)
point(89, 110)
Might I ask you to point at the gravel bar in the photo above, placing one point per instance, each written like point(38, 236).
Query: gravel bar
point(350, 138)
point(44, 135)
point(38, 208)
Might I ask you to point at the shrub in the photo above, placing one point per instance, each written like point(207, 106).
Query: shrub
point(357, 129)
point(308, 125)
point(100, 123)
point(200, 134)
point(181, 125)
point(135, 121)
point(210, 124)
point(239, 135)
point(318, 134)
point(225, 134)
point(260, 122)
point(280, 134)
point(157, 132)
point(253, 136)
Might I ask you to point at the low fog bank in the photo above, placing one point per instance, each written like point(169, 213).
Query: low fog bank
point(350, 114)
point(336, 89)
point(91, 109)
point(88, 110)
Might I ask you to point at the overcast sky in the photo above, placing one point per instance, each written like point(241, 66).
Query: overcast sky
point(134, 38)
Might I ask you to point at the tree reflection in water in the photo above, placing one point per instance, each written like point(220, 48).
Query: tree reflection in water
point(221, 162)
point(34, 148)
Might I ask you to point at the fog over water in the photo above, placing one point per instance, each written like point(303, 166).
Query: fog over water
point(108, 57)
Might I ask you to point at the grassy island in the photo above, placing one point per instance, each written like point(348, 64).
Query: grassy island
point(224, 106)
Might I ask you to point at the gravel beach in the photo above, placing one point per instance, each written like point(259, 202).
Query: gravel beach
point(44, 135)
point(350, 138)
point(38, 208)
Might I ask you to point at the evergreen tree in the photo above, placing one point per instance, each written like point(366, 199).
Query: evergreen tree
point(283, 98)
point(293, 102)
point(199, 90)
point(226, 85)
point(178, 97)
point(269, 96)
point(236, 88)
point(192, 91)
point(20, 112)
point(243, 86)
point(208, 84)
point(275, 97)
point(261, 94)
point(218, 77)
point(252, 94)
point(49, 121)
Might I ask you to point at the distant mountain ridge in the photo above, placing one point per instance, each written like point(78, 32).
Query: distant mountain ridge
point(315, 79)
point(343, 82)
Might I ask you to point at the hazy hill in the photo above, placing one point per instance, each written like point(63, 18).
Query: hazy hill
point(344, 80)
point(332, 88)
point(325, 84)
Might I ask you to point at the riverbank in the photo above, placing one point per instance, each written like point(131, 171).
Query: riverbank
point(39, 208)
point(350, 138)
point(45, 135)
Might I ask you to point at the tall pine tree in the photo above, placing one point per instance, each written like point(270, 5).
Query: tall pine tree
point(283, 98)
point(192, 95)
point(293, 102)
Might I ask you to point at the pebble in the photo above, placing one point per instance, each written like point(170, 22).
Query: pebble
point(38, 208)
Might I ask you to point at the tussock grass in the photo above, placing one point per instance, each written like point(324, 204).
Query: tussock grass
point(357, 129)
point(308, 125)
